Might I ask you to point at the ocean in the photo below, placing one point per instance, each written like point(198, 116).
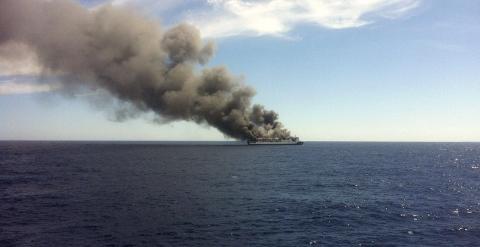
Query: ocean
point(226, 194)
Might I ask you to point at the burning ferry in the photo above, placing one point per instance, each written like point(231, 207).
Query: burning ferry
point(275, 141)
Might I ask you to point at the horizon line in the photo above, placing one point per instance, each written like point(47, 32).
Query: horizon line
point(232, 141)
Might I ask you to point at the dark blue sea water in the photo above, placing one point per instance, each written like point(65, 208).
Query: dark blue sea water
point(166, 194)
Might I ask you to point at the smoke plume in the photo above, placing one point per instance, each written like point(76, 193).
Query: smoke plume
point(138, 62)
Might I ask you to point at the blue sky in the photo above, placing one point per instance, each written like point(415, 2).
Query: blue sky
point(375, 70)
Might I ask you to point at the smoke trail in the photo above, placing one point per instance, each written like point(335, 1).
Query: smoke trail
point(136, 62)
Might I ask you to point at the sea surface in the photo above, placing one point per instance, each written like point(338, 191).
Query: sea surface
point(226, 194)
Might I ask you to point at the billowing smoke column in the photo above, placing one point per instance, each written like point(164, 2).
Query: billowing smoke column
point(137, 62)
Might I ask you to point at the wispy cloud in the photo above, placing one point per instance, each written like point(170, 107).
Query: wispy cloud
point(150, 4)
point(154, 7)
point(226, 18)
point(443, 45)
point(10, 87)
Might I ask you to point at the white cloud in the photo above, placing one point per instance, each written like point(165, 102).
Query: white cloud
point(19, 70)
point(277, 17)
point(17, 59)
point(14, 87)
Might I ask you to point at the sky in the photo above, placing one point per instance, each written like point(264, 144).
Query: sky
point(372, 70)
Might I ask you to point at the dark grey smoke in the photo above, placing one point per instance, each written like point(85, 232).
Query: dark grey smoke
point(136, 62)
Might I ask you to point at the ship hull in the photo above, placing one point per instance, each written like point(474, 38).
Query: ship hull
point(275, 143)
